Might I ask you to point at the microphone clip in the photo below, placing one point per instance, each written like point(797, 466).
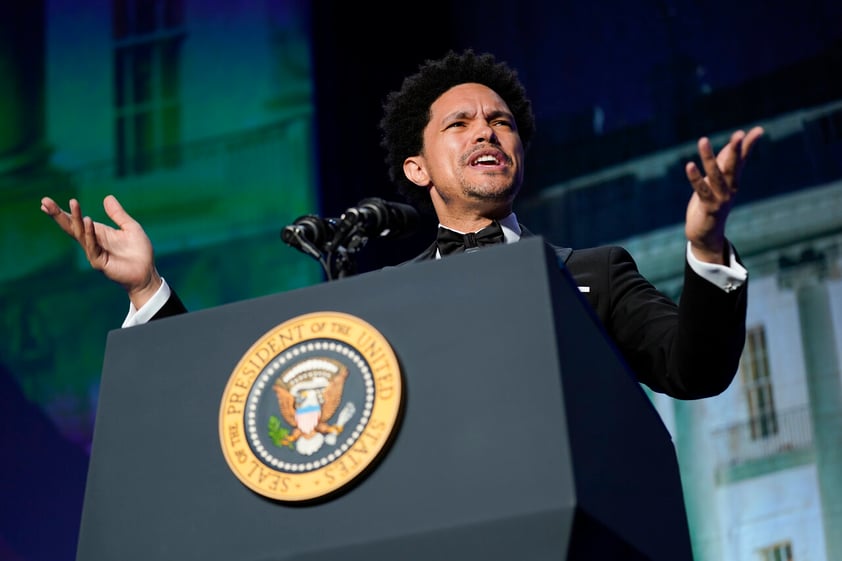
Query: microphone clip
point(334, 242)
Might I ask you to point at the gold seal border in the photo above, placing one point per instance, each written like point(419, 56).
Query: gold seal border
point(281, 485)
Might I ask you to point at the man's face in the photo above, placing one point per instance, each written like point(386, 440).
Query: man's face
point(472, 154)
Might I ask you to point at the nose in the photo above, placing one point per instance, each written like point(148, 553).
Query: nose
point(485, 133)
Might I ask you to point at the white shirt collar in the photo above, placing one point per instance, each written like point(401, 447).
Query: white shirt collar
point(511, 228)
point(509, 224)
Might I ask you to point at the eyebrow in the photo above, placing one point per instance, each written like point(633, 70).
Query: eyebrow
point(496, 114)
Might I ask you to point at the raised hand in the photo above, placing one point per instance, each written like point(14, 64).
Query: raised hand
point(124, 254)
point(714, 192)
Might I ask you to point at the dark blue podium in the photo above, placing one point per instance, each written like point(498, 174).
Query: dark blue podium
point(522, 435)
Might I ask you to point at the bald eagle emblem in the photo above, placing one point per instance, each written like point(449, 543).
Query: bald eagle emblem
point(309, 395)
point(310, 406)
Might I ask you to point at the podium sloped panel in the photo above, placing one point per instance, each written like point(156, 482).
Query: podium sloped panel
point(499, 452)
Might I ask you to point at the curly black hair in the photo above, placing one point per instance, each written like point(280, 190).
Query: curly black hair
point(407, 111)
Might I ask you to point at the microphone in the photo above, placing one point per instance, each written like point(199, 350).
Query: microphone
point(381, 219)
point(309, 233)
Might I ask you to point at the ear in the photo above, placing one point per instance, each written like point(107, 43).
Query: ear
point(415, 170)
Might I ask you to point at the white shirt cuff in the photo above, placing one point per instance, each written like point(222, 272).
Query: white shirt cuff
point(145, 313)
point(727, 277)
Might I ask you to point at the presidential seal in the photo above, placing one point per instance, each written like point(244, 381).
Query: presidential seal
point(311, 405)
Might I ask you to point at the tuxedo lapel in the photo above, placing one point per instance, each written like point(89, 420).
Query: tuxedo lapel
point(427, 254)
point(562, 253)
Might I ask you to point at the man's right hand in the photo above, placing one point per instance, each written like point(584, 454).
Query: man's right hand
point(124, 254)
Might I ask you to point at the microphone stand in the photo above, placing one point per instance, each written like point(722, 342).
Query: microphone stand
point(335, 242)
point(340, 261)
point(341, 251)
point(336, 255)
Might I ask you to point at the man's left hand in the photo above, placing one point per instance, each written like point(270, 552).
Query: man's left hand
point(713, 193)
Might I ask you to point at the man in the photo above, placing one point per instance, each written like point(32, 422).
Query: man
point(456, 135)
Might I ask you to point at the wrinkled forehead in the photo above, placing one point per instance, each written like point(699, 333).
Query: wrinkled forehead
point(468, 99)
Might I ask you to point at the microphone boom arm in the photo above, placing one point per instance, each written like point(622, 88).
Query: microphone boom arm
point(335, 242)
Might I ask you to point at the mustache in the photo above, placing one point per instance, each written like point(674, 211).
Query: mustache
point(498, 153)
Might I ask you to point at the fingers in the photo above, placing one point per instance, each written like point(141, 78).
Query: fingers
point(733, 157)
point(90, 243)
point(729, 160)
point(76, 225)
point(723, 170)
point(750, 140)
point(70, 222)
point(49, 206)
point(87, 233)
point(715, 177)
point(95, 238)
point(697, 181)
point(116, 212)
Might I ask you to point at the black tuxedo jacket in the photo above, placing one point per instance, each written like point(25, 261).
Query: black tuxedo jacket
point(688, 350)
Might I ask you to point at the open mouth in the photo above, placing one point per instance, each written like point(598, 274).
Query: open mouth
point(488, 159)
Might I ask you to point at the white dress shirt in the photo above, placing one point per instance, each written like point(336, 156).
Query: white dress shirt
point(727, 277)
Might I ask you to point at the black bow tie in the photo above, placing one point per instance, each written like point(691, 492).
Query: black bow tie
point(449, 241)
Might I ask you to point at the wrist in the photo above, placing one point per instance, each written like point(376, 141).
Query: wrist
point(142, 294)
point(708, 254)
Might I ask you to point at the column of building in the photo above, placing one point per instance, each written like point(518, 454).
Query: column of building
point(808, 277)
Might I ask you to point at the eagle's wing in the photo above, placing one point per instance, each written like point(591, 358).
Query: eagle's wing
point(333, 393)
point(287, 404)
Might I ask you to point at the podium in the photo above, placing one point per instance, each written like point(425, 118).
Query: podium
point(521, 435)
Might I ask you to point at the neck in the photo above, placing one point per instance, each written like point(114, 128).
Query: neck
point(470, 220)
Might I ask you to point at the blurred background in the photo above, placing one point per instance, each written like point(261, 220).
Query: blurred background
point(217, 123)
